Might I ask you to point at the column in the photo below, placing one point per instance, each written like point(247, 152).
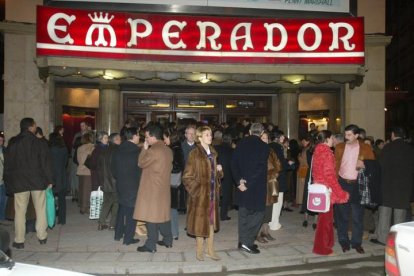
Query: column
point(288, 112)
point(109, 105)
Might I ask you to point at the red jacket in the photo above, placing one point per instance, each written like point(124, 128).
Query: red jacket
point(323, 172)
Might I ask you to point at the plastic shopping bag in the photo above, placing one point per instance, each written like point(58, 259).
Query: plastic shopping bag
point(96, 200)
point(50, 208)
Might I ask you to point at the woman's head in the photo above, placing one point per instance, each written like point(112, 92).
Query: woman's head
point(324, 137)
point(265, 137)
point(102, 137)
point(87, 138)
point(203, 135)
point(171, 136)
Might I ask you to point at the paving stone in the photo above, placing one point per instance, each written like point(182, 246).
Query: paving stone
point(104, 257)
point(237, 255)
point(21, 255)
point(135, 257)
point(284, 251)
point(45, 256)
point(263, 263)
point(175, 257)
point(75, 257)
point(159, 257)
point(201, 268)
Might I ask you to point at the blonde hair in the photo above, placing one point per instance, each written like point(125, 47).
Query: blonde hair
point(199, 132)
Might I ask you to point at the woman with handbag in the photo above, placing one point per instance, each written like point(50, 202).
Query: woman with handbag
point(273, 169)
point(172, 140)
point(323, 172)
point(201, 179)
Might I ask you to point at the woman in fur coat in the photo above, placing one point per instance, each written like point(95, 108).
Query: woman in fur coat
point(323, 172)
point(201, 179)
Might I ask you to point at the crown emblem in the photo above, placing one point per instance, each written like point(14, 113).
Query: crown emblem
point(101, 18)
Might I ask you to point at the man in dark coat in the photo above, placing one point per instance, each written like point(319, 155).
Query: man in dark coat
point(106, 179)
point(127, 174)
point(27, 172)
point(249, 169)
point(397, 169)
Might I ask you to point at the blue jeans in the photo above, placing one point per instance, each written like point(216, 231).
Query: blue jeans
point(3, 202)
point(174, 223)
point(342, 213)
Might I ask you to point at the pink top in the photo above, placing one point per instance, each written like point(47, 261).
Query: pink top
point(349, 161)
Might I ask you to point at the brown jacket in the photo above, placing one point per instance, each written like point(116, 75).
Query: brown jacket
point(196, 179)
point(273, 169)
point(365, 153)
point(153, 202)
point(83, 152)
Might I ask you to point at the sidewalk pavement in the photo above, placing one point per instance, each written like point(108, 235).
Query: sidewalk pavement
point(79, 246)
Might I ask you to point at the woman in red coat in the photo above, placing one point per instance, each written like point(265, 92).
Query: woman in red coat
point(323, 172)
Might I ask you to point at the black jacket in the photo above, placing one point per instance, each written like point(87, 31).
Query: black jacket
point(225, 154)
point(397, 168)
point(103, 167)
point(27, 164)
point(59, 159)
point(249, 162)
point(178, 166)
point(278, 148)
point(126, 172)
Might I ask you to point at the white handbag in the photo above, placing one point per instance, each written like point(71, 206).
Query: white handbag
point(319, 196)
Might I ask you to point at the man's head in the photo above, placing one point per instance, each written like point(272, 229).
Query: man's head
point(153, 134)
point(397, 133)
point(278, 136)
point(362, 134)
point(39, 132)
point(256, 129)
point(312, 126)
point(246, 122)
point(131, 134)
point(115, 138)
point(351, 134)
point(83, 126)
point(28, 124)
point(338, 138)
point(190, 133)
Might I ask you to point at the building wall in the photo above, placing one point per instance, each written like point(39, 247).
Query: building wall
point(25, 94)
point(22, 10)
point(364, 105)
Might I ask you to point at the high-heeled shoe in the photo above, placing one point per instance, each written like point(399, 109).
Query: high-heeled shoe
point(305, 223)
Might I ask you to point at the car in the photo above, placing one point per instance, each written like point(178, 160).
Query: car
point(399, 250)
point(10, 268)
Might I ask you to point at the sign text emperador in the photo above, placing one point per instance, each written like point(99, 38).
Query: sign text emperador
point(199, 38)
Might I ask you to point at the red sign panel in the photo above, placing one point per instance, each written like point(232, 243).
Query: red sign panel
point(170, 37)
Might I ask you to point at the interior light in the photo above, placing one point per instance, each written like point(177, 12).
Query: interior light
point(385, 109)
point(204, 78)
point(107, 75)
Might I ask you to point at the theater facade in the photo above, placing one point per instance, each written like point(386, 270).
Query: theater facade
point(288, 62)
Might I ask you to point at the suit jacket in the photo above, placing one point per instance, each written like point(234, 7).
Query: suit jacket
point(397, 168)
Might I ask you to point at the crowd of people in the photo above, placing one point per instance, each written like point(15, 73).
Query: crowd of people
point(151, 174)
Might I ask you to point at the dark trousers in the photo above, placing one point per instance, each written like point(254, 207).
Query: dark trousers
point(125, 224)
point(182, 202)
point(62, 206)
point(249, 225)
point(109, 206)
point(152, 232)
point(343, 212)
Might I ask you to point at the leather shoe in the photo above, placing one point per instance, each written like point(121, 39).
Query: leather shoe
point(43, 241)
point(239, 245)
point(162, 243)
point(226, 218)
point(359, 249)
point(249, 249)
point(18, 245)
point(376, 241)
point(345, 248)
point(133, 241)
point(145, 249)
point(102, 227)
point(287, 209)
point(261, 239)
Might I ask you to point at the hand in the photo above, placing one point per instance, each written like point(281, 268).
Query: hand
point(50, 186)
point(146, 146)
point(219, 167)
point(360, 164)
point(242, 187)
point(290, 162)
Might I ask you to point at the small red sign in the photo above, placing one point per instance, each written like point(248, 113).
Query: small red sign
point(183, 38)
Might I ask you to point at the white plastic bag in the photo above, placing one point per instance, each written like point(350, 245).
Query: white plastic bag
point(96, 200)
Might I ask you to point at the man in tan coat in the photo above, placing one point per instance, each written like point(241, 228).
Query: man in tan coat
point(154, 199)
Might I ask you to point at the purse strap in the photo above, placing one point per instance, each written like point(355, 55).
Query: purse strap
point(310, 174)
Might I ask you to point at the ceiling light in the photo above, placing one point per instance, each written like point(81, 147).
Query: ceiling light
point(108, 76)
point(204, 78)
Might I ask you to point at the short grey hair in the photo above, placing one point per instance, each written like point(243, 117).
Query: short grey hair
point(256, 129)
point(100, 135)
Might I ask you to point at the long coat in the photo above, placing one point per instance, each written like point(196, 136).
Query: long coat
point(273, 169)
point(225, 153)
point(153, 202)
point(196, 179)
point(178, 167)
point(250, 163)
point(83, 152)
point(105, 176)
point(59, 157)
point(397, 169)
point(125, 170)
